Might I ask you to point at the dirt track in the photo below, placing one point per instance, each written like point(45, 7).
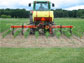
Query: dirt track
point(42, 41)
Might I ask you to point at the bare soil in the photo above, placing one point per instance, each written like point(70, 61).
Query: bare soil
point(41, 41)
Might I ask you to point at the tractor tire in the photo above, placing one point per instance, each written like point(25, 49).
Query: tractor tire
point(31, 19)
point(32, 31)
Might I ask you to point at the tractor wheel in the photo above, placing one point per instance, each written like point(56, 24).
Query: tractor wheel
point(31, 19)
point(32, 31)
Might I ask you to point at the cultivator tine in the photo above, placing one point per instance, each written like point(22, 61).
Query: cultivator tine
point(13, 31)
point(71, 30)
point(61, 29)
point(22, 32)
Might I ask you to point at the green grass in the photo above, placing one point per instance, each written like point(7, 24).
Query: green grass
point(6, 23)
point(41, 55)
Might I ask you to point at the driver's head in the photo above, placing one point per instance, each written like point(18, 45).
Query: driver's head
point(41, 5)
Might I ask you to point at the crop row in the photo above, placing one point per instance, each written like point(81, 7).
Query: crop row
point(47, 34)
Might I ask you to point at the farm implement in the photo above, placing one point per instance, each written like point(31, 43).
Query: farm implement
point(44, 29)
point(42, 21)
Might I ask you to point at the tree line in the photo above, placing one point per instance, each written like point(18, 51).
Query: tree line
point(66, 13)
point(58, 13)
point(15, 13)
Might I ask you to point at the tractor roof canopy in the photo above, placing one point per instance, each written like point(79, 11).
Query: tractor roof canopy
point(41, 5)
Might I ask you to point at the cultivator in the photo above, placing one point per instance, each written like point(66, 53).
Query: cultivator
point(50, 29)
point(41, 20)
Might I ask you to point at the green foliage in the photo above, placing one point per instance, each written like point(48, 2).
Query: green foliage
point(27, 33)
point(6, 33)
point(60, 13)
point(58, 34)
point(15, 13)
point(5, 16)
point(79, 34)
point(67, 33)
point(36, 34)
point(47, 34)
point(17, 33)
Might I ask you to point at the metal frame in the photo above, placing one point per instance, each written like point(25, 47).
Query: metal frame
point(45, 27)
point(34, 26)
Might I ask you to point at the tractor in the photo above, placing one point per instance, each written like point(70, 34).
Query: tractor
point(41, 19)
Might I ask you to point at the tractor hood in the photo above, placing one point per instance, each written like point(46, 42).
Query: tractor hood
point(42, 14)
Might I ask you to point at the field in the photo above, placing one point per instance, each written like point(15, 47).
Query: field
point(65, 49)
point(42, 55)
point(78, 24)
point(62, 40)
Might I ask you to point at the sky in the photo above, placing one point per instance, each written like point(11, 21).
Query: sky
point(64, 4)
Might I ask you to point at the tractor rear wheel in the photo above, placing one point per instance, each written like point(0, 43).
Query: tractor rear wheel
point(32, 31)
point(31, 19)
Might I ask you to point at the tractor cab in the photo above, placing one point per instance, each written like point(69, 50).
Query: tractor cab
point(41, 12)
point(41, 5)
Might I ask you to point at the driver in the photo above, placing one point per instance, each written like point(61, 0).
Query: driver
point(41, 7)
